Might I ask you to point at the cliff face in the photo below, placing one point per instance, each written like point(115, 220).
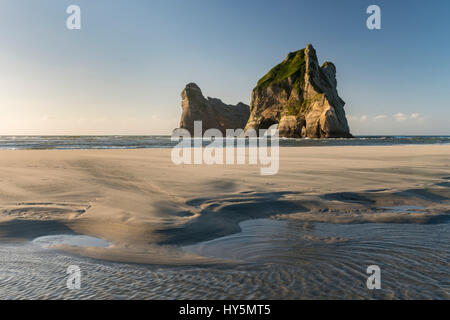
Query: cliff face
point(211, 111)
point(301, 97)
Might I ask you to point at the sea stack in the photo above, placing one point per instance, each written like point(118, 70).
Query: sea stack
point(211, 111)
point(301, 97)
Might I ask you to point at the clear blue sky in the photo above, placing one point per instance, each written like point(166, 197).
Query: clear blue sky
point(123, 72)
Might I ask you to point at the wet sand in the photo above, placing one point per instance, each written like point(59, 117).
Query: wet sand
point(278, 259)
point(147, 208)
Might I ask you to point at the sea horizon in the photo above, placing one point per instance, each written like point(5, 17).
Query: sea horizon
point(80, 142)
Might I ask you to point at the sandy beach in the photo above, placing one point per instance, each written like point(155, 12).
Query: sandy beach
point(146, 207)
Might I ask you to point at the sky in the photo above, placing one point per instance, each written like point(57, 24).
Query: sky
point(123, 72)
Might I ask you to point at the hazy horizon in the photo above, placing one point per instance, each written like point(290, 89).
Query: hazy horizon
point(123, 72)
point(169, 135)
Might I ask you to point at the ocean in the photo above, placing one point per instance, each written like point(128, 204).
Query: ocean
point(142, 142)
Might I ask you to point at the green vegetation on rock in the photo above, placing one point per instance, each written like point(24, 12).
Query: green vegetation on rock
point(293, 109)
point(306, 105)
point(293, 66)
point(296, 90)
point(296, 109)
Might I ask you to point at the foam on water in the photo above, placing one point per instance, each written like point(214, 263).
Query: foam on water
point(405, 208)
point(70, 240)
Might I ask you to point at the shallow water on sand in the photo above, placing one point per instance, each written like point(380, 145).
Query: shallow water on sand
point(279, 259)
